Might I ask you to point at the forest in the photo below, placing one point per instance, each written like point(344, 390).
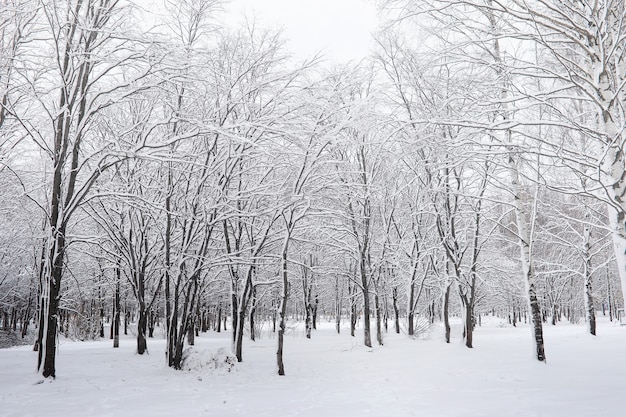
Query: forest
point(160, 169)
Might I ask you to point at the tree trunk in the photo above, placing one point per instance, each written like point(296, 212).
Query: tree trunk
point(521, 213)
point(219, 318)
point(338, 299)
point(412, 303)
point(317, 301)
point(367, 333)
point(609, 298)
point(239, 334)
point(396, 310)
point(191, 333)
point(50, 305)
point(151, 323)
point(283, 306)
point(446, 317)
point(589, 305)
point(252, 314)
point(27, 313)
point(469, 325)
point(353, 309)
point(379, 327)
point(142, 325)
point(307, 321)
point(115, 326)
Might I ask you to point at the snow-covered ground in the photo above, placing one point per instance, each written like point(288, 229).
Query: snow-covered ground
point(334, 375)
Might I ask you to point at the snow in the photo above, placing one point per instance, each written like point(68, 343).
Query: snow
point(333, 375)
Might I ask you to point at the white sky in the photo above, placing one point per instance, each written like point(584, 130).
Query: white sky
point(340, 29)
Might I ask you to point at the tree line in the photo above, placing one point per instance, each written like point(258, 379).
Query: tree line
point(161, 168)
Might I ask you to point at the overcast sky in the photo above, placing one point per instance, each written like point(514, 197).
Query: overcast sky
point(339, 28)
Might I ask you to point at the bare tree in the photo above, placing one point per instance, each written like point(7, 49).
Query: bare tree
point(88, 58)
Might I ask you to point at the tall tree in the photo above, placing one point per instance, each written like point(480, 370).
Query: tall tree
point(83, 79)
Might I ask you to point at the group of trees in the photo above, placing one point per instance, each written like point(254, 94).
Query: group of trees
point(162, 169)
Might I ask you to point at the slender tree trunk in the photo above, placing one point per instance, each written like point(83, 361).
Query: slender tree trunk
point(252, 314)
point(27, 313)
point(589, 305)
point(367, 333)
point(170, 320)
point(338, 306)
point(115, 326)
point(521, 213)
point(469, 325)
point(379, 328)
point(283, 305)
point(219, 318)
point(609, 298)
point(411, 307)
point(274, 317)
point(396, 310)
point(307, 320)
point(527, 268)
point(314, 314)
point(446, 314)
point(353, 309)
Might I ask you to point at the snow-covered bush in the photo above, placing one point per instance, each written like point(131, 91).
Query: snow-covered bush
point(197, 360)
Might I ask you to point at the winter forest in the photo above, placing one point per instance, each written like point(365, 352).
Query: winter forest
point(168, 179)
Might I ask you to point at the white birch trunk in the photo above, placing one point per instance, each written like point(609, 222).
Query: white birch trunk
point(521, 215)
point(589, 306)
point(524, 240)
point(615, 177)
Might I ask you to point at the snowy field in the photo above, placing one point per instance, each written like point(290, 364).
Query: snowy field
point(334, 375)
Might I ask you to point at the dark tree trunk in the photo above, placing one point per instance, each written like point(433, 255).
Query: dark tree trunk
point(379, 327)
point(151, 323)
point(353, 309)
point(367, 333)
point(411, 312)
point(50, 305)
point(446, 314)
point(126, 319)
point(142, 326)
point(317, 301)
point(431, 312)
point(307, 321)
point(338, 307)
point(396, 310)
point(234, 315)
point(239, 335)
point(101, 313)
point(116, 310)
point(252, 314)
point(219, 318)
point(469, 325)
point(609, 298)
point(26, 316)
point(191, 340)
point(14, 319)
